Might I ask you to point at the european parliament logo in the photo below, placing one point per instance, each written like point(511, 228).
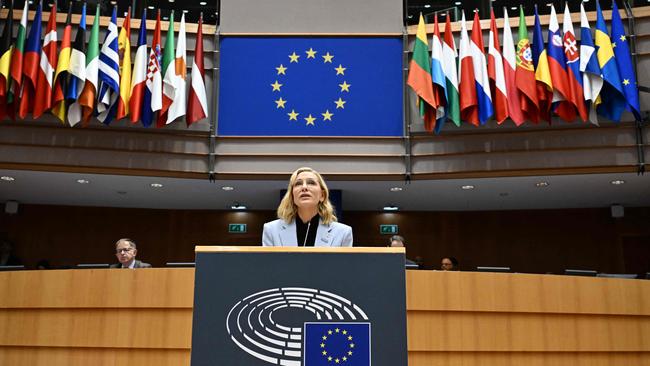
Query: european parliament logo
point(339, 335)
point(319, 86)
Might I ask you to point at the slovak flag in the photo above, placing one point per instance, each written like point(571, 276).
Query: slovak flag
point(139, 76)
point(483, 94)
point(572, 54)
point(562, 104)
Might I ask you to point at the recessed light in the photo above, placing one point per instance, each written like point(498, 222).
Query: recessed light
point(410, 16)
point(7, 178)
point(395, 189)
point(171, 1)
point(165, 18)
point(391, 208)
point(203, 3)
point(617, 182)
point(156, 185)
point(150, 7)
point(541, 184)
point(185, 11)
point(83, 181)
point(427, 6)
point(237, 206)
point(513, 8)
point(457, 3)
point(228, 188)
point(467, 187)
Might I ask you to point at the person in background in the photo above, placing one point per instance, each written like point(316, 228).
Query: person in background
point(306, 215)
point(449, 264)
point(397, 241)
point(125, 251)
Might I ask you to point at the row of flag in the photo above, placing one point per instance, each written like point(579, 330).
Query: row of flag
point(77, 80)
point(529, 81)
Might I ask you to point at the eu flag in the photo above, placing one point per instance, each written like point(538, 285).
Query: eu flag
point(624, 63)
point(328, 344)
point(298, 86)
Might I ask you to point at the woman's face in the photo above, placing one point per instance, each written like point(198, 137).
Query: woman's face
point(307, 192)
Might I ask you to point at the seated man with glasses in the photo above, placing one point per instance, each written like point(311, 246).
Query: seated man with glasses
point(125, 252)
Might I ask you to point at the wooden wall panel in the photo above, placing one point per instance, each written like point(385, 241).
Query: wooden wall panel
point(53, 356)
point(528, 358)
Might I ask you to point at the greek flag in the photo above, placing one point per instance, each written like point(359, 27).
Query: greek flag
point(109, 75)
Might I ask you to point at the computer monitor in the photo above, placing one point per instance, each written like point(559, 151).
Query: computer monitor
point(92, 265)
point(617, 275)
point(493, 269)
point(580, 272)
point(180, 264)
point(12, 268)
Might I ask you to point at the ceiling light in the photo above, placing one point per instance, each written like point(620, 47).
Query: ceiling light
point(156, 185)
point(513, 8)
point(83, 181)
point(467, 187)
point(395, 189)
point(171, 1)
point(617, 182)
point(427, 6)
point(165, 18)
point(150, 7)
point(237, 206)
point(228, 188)
point(203, 3)
point(541, 184)
point(185, 11)
point(410, 16)
point(457, 3)
point(391, 208)
point(7, 178)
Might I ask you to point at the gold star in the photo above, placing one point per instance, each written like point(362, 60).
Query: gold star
point(340, 70)
point(345, 331)
point(622, 38)
point(293, 116)
point(349, 353)
point(329, 331)
point(345, 358)
point(613, 44)
point(329, 358)
point(345, 87)
point(337, 360)
point(293, 57)
point(324, 337)
point(340, 103)
point(324, 353)
point(327, 116)
point(276, 86)
point(310, 120)
point(351, 345)
point(322, 345)
point(327, 58)
point(626, 82)
point(280, 103)
point(349, 338)
point(311, 53)
point(281, 69)
point(336, 330)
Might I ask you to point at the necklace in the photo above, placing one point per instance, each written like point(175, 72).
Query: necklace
point(304, 242)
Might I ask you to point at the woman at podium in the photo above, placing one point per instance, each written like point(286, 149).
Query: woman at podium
point(306, 215)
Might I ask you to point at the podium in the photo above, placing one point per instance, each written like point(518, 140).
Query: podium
point(297, 306)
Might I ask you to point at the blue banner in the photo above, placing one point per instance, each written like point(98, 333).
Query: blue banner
point(310, 86)
point(328, 344)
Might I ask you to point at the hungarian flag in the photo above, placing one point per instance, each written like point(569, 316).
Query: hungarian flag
point(6, 49)
point(139, 76)
point(525, 74)
point(109, 74)
point(611, 102)
point(467, 87)
point(89, 92)
point(542, 72)
point(197, 104)
point(509, 70)
point(31, 65)
point(496, 73)
point(438, 78)
point(592, 80)
point(562, 104)
point(17, 64)
point(419, 77)
point(77, 71)
point(61, 75)
point(124, 50)
point(483, 94)
point(153, 92)
point(49, 58)
point(179, 102)
point(572, 54)
point(450, 68)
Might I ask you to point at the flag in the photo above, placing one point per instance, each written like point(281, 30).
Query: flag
point(592, 80)
point(59, 108)
point(197, 104)
point(337, 343)
point(77, 71)
point(572, 54)
point(626, 68)
point(419, 77)
point(153, 92)
point(6, 49)
point(467, 87)
point(89, 92)
point(49, 58)
point(525, 73)
point(31, 64)
point(543, 79)
point(16, 68)
point(139, 75)
point(124, 50)
point(179, 102)
point(509, 70)
point(450, 68)
point(438, 77)
point(611, 101)
point(562, 104)
point(483, 94)
point(109, 74)
point(169, 74)
point(496, 73)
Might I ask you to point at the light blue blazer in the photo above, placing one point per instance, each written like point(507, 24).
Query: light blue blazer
point(279, 233)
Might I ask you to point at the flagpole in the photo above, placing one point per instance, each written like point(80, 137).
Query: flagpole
point(215, 105)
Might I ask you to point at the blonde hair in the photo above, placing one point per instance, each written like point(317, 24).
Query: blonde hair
point(287, 210)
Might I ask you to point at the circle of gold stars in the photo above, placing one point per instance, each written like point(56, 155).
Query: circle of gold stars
point(311, 118)
point(337, 358)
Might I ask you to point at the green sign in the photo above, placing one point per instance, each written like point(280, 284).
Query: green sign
point(388, 229)
point(236, 228)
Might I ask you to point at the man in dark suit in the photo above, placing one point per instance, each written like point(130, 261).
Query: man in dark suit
point(125, 251)
point(398, 241)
